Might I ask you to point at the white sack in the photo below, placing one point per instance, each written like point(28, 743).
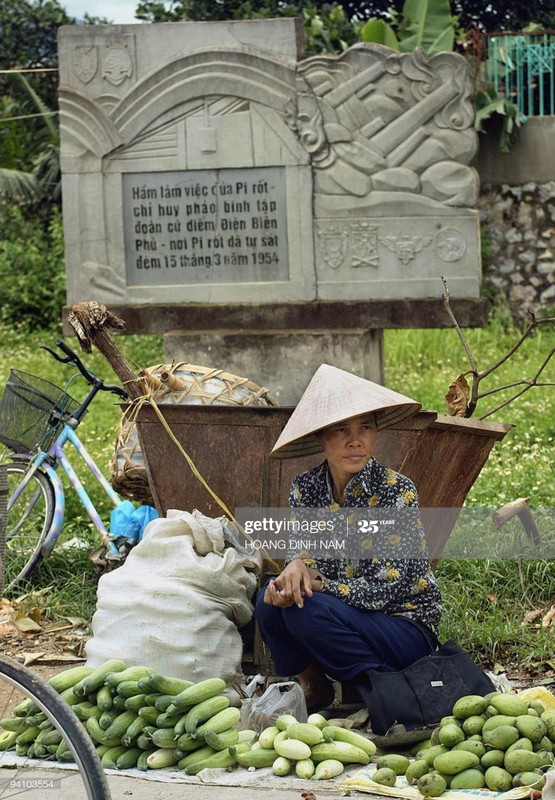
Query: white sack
point(177, 601)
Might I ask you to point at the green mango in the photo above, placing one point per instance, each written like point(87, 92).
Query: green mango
point(521, 761)
point(468, 779)
point(473, 746)
point(535, 780)
point(473, 725)
point(492, 758)
point(431, 785)
point(469, 706)
point(450, 735)
point(455, 761)
point(384, 776)
point(399, 764)
point(415, 770)
point(532, 728)
point(498, 779)
point(509, 704)
point(500, 738)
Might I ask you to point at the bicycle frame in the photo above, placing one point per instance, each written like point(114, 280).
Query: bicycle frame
point(48, 461)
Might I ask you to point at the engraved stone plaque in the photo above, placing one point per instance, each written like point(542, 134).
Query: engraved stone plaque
point(205, 226)
point(207, 163)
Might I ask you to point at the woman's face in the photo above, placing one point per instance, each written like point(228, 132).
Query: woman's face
point(348, 446)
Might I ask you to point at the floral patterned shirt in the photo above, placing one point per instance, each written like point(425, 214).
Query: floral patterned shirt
point(403, 585)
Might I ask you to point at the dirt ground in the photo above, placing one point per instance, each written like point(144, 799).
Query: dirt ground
point(46, 648)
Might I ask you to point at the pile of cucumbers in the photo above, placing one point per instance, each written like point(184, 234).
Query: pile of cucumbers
point(495, 742)
point(136, 718)
point(312, 749)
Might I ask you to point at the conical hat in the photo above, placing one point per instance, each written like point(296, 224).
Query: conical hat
point(332, 396)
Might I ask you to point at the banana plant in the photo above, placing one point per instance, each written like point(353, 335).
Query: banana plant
point(427, 24)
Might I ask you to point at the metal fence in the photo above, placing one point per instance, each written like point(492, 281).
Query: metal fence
point(521, 67)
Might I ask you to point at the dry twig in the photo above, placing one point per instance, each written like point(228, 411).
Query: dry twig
point(477, 376)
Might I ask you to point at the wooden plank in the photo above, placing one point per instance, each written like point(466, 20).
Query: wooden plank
point(313, 316)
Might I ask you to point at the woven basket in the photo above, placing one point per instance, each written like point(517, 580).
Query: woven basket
point(176, 384)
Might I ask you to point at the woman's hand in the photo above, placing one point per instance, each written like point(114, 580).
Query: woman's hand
point(294, 582)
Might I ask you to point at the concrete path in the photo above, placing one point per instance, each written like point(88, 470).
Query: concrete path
point(66, 785)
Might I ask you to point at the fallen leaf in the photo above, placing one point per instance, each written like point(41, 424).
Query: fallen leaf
point(498, 669)
point(457, 396)
point(76, 622)
point(31, 658)
point(59, 659)
point(26, 625)
point(492, 597)
point(531, 616)
point(35, 614)
point(547, 620)
point(546, 681)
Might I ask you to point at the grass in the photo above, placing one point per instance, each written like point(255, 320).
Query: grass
point(484, 600)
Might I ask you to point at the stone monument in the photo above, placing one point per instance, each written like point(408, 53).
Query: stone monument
point(210, 168)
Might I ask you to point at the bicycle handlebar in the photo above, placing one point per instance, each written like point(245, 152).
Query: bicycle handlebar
point(90, 377)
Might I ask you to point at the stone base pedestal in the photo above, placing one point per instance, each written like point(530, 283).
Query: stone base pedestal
point(282, 361)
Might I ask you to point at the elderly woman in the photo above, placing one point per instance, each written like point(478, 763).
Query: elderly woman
point(337, 617)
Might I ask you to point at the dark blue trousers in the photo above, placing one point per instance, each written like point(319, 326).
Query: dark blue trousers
point(344, 640)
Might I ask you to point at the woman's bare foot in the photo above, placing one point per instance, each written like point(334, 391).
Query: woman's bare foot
point(318, 689)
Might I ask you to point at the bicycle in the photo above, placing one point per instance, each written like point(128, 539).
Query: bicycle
point(37, 421)
point(27, 703)
point(21, 775)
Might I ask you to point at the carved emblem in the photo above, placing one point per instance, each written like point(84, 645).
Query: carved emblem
point(117, 64)
point(364, 244)
point(450, 244)
point(333, 243)
point(406, 247)
point(85, 62)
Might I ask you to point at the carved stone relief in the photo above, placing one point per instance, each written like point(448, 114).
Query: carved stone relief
point(376, 195)
point(373, 120)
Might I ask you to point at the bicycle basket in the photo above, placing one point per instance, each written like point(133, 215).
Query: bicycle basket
point(26, 411)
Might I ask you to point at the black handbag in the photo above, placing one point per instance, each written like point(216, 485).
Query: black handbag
point(421, 694)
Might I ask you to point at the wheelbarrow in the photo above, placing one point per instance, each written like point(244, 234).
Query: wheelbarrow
point(230, 447)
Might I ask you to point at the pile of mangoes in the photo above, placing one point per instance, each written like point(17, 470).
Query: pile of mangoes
point(496, 742)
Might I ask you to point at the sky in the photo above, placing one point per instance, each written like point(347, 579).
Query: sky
point(117, 11)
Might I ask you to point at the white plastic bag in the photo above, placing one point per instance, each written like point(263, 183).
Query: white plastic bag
point(177, 601)
point(261, 711)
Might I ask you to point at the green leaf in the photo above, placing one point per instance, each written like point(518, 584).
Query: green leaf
point(427, 24)
point(377, 31)
point(17, 184)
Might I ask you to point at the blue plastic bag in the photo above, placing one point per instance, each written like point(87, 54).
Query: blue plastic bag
point(130, 522)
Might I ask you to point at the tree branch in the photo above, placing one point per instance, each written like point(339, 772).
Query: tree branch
point(445, 298)
point(478, 376)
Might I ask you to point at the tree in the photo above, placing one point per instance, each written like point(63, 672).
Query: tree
point(29, 143)
point(493, 16)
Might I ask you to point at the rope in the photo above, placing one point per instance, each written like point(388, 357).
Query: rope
point(29, 116)
point(138, 403)
point(27, 69)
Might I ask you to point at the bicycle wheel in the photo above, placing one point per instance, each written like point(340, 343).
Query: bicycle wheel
point(28, 776)
point(29, 520)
